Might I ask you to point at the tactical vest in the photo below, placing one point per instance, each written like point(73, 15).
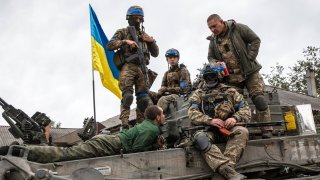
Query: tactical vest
point(173, 77)
point(217, 104)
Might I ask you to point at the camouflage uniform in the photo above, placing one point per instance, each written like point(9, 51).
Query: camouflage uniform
point(131, 73)
point(175, 81)
point(142, 137)
point(238, 47)
point(221, 102)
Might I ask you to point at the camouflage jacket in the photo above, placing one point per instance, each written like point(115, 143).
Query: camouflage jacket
point(176, 80)
point(221, 102)
point(117, 42)
point(245, 43)
point(142, 137)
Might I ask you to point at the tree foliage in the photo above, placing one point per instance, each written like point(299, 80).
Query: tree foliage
point(295, 80)
point(55, 124)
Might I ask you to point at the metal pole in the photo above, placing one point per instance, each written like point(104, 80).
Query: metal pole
point(94, 102)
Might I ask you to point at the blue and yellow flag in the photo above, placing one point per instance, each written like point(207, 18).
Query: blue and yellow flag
point(102, 59)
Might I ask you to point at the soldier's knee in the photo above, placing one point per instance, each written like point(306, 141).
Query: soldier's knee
point(241, 131)
point(127, 98)
point(260, 102)
point(143, 101)
point(202, 142)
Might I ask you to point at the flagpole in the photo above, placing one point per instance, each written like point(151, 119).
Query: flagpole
point(94, 101)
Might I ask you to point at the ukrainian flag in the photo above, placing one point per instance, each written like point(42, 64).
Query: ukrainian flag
point(102, 59)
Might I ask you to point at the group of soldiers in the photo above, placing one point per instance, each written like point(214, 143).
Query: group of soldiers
point(217, 102)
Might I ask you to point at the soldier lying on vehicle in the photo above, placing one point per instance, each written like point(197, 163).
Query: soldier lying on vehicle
point(142, 137)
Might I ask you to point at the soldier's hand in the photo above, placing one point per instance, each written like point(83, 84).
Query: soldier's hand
point(162, 142)
point(131, 43)
point(217, 123)
point(230, 122)
point(147, 38)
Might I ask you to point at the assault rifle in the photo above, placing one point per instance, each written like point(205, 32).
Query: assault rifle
point(30, 130)
point(89, 129)
point(226, 132)
point(140, 54)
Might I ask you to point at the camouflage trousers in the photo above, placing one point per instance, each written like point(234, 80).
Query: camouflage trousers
point(164, 101)
point(235, 146)
point(100, 145)
point(255, 86)
point(131, 78)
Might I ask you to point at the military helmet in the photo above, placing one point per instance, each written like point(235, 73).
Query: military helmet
point(172, 52)
point(211, 76)
point(135, 10)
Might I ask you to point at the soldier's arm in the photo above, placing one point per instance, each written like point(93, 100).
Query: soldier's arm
point(164, 84)
point(117, 40)
point(196, 116)
point(152, 45)
point(153, 48)
point(211, 56)
point(185, 81)
point(242, 109)
point(251, 38)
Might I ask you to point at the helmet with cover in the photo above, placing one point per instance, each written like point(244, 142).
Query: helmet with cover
point(210, 76)
point(132, 14)
point(172, 53)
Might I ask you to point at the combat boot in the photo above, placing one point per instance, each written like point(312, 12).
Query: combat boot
point(229, 173)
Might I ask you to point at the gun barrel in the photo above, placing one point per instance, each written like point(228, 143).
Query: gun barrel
point(3, 103)
point(261, 124)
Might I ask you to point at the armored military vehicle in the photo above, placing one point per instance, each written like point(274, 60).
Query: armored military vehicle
point(293, 152)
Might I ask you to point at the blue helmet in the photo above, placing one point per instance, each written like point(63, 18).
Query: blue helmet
point(172, 52)
point(135, 10)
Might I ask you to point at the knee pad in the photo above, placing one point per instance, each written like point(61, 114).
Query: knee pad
point(260, 102)
point(202, 142)
point(143, 103)
point(127, 98)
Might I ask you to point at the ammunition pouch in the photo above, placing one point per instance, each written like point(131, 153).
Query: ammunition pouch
point(118, 59)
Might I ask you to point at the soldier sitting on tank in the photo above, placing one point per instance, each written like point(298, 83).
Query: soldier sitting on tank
point(175, 81)
point(131, 71)
point(142, 137)
point(217, 106)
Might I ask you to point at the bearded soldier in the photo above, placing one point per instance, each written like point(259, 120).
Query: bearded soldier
point(216, 106)
point(236, 46)
point(175, 81)
point(133, 71)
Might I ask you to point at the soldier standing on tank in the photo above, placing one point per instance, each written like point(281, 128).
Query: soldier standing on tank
point(176, 81)
point(216, 106)
point(131, 73)
point(236, 46)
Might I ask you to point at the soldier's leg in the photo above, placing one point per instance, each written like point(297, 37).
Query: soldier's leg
point(100, 145)
point(214, 158)
point(256, 86)
point(164, 102)
point(236, 144)
point(142, 93)
point(126, 82)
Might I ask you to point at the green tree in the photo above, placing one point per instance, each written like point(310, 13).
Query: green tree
point(55, 124)
point(295, 80)
point(277, 78)
point(297, 76)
